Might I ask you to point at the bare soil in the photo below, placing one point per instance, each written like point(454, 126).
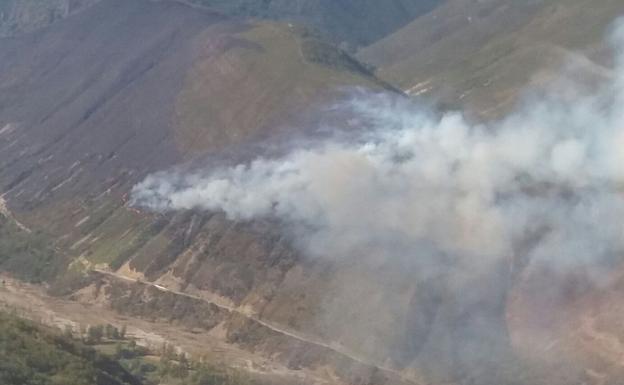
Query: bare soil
point(32, 302)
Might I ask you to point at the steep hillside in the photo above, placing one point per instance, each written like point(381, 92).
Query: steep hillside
point(483, 57)
point(92, 103)
point(129, 87)
point(482, 53)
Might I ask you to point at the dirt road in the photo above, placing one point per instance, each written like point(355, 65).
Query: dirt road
point(31, 302)
point(270, 325)
point(4, 211)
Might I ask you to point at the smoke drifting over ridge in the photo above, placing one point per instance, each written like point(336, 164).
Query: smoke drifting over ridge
point(406, 179)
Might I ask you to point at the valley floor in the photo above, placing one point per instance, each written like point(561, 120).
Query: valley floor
point(31, 302)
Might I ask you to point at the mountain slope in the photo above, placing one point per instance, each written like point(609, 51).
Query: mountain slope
point(483, 57)
point(92, 103)
point(485, 52)
point(126, 86)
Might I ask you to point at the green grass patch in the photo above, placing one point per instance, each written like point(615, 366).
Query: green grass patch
point(29, 256)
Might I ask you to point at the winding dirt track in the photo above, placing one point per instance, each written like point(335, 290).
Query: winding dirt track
point(31, 302)
point(4, 211)
point(35, 299)
point(269, 325)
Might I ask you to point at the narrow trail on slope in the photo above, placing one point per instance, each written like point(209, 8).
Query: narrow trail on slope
point(276, 328)
point(4, 211)
point(32, 302)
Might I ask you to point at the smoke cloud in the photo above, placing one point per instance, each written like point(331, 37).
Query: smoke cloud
point(467, 205)
point(399, 178)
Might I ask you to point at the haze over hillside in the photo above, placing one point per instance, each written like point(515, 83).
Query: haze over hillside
point(229, 181)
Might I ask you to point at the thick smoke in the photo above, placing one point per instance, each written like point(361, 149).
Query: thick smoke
point(547, 178)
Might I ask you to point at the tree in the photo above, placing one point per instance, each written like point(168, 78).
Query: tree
point(183, 360)
point(119, 350)
point(112, 332)
point(68, 332)
point(95, 334)
point(178, 371)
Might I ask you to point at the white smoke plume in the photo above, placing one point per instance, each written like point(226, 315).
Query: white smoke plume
point(401, 179)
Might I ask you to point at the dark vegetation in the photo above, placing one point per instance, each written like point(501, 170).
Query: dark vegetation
point(318, 51)
point(32, 354)
point(29, 256)
point(151, 231)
